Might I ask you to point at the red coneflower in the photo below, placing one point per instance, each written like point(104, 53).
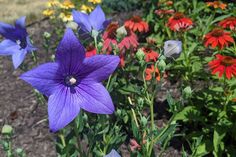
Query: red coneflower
point(122, 60)
point(217, 4)
point(229, 22)
point(224, 65)
point(129, 41)
point(150, 55)
point(136, 24)
point(218, 37)
point(179, 22)
point(150, 71)
point(109, 37)
point(90, 51)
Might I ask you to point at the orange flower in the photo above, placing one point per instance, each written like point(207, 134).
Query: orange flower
point(162, 12)
point(150, 55)
point(179, 22)
point(224, 65)
point(129, 41)
point(229, 22)
point(137, 24)
point(217, 4)
point(109, 37)
point(150, 71)
point(234, 99)
point(218, 37)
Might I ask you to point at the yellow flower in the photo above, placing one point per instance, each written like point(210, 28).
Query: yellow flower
point(52, 3)
point(86, 8)
point(48, 12)
point(95, 1)
point(66, 17)
point(67, 4)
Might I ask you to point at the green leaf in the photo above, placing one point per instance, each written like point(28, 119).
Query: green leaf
point(188, 113)
point(219, 134)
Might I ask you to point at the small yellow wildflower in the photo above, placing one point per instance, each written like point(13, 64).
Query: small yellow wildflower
point(53, 3)
point(86, 8)
point(67, 4)
point(66, 17)
point(95, 1)
point(48, 12)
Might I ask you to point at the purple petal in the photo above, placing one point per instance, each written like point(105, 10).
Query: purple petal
point(44, 78)
point(63, 107)
point(97, 18)
point(6, 30)
point(95, 98)
point(70, 53)
point(20, 23)
point(106, 23)
point(113, 153)
point(82, 20)
point(18, 57)
point(8, 47)
point(98, 68)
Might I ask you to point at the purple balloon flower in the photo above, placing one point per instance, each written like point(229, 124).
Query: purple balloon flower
point(94, 21)
point(73, 82)
point(17, 42)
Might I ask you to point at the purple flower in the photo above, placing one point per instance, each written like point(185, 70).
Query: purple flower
point(94, 21)
point(17, 42)
point(73, 82)
point(113, 153)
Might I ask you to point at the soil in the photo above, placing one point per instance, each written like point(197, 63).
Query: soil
point(20, 109)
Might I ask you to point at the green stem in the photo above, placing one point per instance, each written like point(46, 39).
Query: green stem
point(62, 140)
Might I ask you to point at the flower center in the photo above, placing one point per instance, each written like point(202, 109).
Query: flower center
point(21, 43)
point(178, 16)
point(111, 30)
point(136, 19)
point(70, 81)
point(228, 61)
point(217, 32)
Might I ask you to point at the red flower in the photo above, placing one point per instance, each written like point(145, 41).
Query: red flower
point(90, 51)
point(179, 22)
point(150, 71)
point(122, 60)
point(150, 55)
point(229, 22)
point(218, 37)
point(109, 37)
point(136, 24)
point(130, 41)
point(224, 65)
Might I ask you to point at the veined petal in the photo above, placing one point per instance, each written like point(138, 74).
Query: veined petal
point(6, 29)
point(44, 78)
point(82, 20)
point(97, 18)
point(30, 47)
point(98, 68)
point(18, 57)
point(63, 107)
point(20, 23)
point(95, 98)
point(70, 53)
point(8, 47)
